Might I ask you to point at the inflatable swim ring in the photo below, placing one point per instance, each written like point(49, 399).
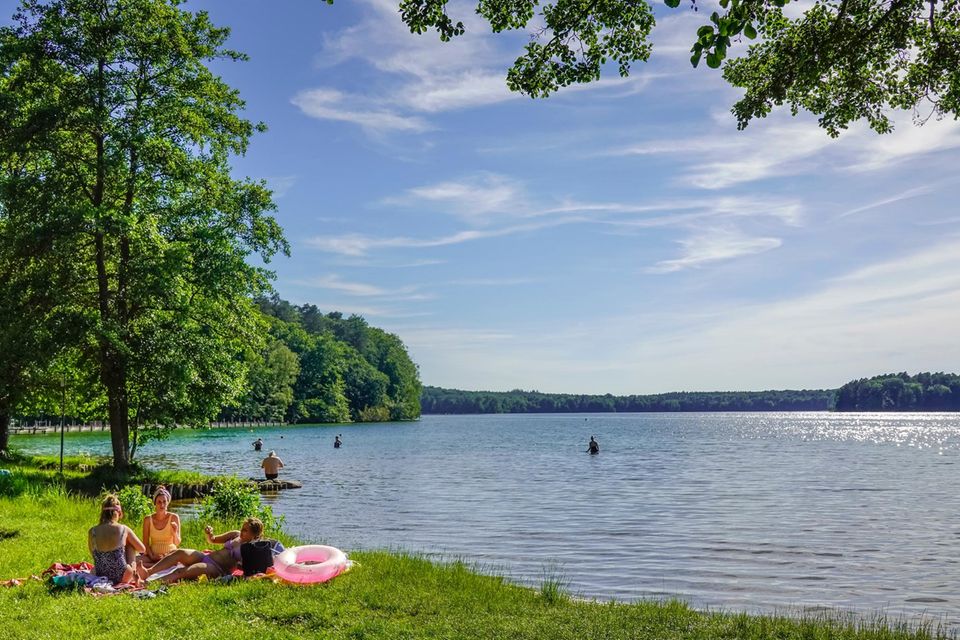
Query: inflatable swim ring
point(311, 563)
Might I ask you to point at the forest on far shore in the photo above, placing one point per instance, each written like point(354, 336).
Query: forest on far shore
point(436, 400)
point(887, 392)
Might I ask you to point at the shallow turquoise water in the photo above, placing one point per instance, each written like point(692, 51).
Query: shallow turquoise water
point(735, 511)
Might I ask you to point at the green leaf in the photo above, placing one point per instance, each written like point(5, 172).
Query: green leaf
point(713, 60)
point(673, 4)
point(705, 30)
point(695, 58)
point(749, 31)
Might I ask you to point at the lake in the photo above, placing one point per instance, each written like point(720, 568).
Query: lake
point(738, 511)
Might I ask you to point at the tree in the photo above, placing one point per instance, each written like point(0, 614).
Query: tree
point(843, 60)
point(272, 374)
point(108, 106)
point(320, 389)
point(36, 277)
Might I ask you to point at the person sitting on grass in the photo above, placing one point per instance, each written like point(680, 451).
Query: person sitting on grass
point(161, 530)
point(114, 546)
point(213, 565)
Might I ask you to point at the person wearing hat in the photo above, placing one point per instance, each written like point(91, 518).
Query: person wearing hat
point(271, 466)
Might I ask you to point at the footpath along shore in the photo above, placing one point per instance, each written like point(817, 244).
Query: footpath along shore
point(386, 595)
point(46, 427)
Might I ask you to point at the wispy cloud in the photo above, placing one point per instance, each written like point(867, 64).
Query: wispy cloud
point(491, 282)
point(280, 185)
point(336, 284)
point(420, 75)
point(330, 104)
point(903, 195)
point(714, 245)
point(473, 197)
point(892, 311)
point(787, 148)
point(355, 244)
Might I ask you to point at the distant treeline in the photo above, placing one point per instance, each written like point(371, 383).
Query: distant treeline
point(901, 392)
point(436, 400)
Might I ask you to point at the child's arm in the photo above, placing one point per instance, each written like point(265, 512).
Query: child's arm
point(221, 538)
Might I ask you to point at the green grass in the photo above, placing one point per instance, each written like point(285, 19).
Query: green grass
point(90, 475)
point(387, 595)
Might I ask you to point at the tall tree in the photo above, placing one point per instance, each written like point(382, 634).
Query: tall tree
point(843, 60)
point(109, 105)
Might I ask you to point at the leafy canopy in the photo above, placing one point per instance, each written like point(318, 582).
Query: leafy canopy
point(119, 211)
point(843, 60)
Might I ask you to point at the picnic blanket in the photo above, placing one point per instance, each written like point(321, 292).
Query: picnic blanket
point(80, 576)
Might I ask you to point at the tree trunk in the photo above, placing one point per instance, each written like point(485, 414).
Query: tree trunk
point(113, 373)
point(4, 434)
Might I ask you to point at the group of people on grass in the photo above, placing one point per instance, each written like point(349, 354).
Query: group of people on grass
point(121, 556)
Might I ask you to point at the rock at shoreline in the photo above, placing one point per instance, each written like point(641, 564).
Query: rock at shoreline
point(276, 485)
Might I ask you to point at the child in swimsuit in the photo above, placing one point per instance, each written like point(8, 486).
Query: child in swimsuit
point(161, 530)
point(114, 546)
point(213, 565)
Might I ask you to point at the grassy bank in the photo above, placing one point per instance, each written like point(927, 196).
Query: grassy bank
point(85, 475)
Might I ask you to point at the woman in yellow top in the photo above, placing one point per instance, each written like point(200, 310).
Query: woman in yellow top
point(161, 530)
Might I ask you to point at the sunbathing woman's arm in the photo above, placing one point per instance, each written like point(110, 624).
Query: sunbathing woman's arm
point(221, 538)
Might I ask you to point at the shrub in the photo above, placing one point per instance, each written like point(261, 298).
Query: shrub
point(13, 484)
point(136, 506)
point(233, 500)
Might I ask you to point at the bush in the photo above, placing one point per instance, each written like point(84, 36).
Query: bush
point(136, 506)
point(13, 484)
point(233, 500)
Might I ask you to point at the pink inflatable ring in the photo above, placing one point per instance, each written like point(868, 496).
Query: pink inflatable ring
point(311, 563)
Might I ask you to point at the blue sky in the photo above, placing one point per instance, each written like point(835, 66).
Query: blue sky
point(620, 237)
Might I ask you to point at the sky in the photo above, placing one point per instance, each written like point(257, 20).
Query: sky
point(620, 237)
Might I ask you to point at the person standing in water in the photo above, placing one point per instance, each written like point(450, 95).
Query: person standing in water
point(258, 444)
point(593, 446)
point(337, 442)
point(271, 466)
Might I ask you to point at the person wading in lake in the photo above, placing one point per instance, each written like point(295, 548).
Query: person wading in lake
point(271, 466)
point(336, 442)
point(258, 444)
point(594, 446)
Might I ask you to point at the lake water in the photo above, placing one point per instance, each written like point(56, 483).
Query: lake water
point(756, 512)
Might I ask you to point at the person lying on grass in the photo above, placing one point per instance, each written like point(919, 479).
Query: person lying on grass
point(213, 565)
point(114, 546)
point(161, 530)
